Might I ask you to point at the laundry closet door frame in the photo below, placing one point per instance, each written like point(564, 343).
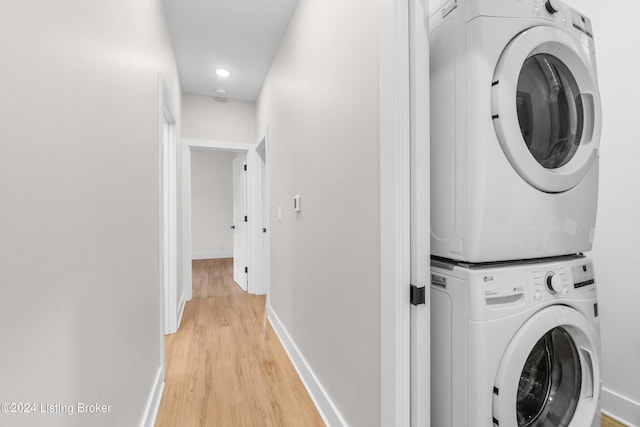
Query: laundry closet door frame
point(404, 212)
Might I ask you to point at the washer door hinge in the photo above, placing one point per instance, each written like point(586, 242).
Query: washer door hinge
point(417, 295)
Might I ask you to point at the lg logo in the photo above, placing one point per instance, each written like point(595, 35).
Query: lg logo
point(488, 278)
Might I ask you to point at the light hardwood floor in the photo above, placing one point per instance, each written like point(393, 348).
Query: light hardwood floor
point(608, 422)
point(226, 366)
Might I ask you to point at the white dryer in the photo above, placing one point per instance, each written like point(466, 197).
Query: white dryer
point(515, 345)
point(515, 130)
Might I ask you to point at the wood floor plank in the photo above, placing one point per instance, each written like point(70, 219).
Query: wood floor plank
point(608, 422)
point(225, 366)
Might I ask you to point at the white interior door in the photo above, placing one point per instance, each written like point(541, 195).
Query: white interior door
point(240, 221)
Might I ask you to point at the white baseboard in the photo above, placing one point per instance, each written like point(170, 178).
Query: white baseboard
point(153, 403)
point(620, 408)
point(211, 255)
point(321, 399)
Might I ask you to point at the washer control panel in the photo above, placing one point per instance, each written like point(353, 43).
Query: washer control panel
point(576, 280)
point(494, 291)
point(560, 13)
point(550, 281)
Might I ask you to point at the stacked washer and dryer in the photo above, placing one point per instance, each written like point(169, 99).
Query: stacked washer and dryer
point(515, 130)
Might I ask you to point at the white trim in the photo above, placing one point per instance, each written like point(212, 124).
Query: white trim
point(420, 214)
point(263, 145)
point(395, 198)
point(206, 144)
point(211, 255)
point(168, 252)
point(620, 408)
point(153, 402)
point(187, 279)
point(328, 411)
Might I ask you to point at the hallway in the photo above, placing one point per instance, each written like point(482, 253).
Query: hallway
point(226, 366)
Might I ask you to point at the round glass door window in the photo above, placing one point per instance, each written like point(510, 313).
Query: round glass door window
point(550, 110)
point(549, 387)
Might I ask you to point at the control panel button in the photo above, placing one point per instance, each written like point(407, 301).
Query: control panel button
point(554, 283)
point(552, 6)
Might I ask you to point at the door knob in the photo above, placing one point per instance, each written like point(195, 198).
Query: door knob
point(233, 227)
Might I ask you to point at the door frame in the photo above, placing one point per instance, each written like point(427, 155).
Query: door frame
point(259, 208)
point(253, 286)
point(420, 212)
point(404, 212)
point(395, 347)
point(168, 220)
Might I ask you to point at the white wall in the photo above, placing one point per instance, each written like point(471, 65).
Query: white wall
point(616, 249)
point(211, 204)
point(79, 224)
point(206, 118)
point(320, 102)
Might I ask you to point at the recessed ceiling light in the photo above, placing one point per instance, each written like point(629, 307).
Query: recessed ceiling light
point(221, 72)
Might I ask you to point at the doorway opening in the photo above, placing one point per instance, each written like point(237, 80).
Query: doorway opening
point(249, 222)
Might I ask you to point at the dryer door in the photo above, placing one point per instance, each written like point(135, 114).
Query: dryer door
point(549, 376)
point(546, 108)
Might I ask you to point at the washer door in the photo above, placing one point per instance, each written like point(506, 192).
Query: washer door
point(549, 376)
point(546, 108)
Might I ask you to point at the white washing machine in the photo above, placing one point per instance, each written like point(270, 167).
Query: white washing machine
point(515, 130)
point(515, 345)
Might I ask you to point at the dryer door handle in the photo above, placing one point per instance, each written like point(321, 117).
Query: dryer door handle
point(589, 106)
point(588, 380)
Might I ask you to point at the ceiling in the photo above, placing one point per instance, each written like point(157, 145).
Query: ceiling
point(239, 35)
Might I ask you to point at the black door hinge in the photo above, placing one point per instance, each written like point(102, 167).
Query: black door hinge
point(264, 230)
point(245, 218)
point(417, 295)
point(246, 269)
point(245, 167)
